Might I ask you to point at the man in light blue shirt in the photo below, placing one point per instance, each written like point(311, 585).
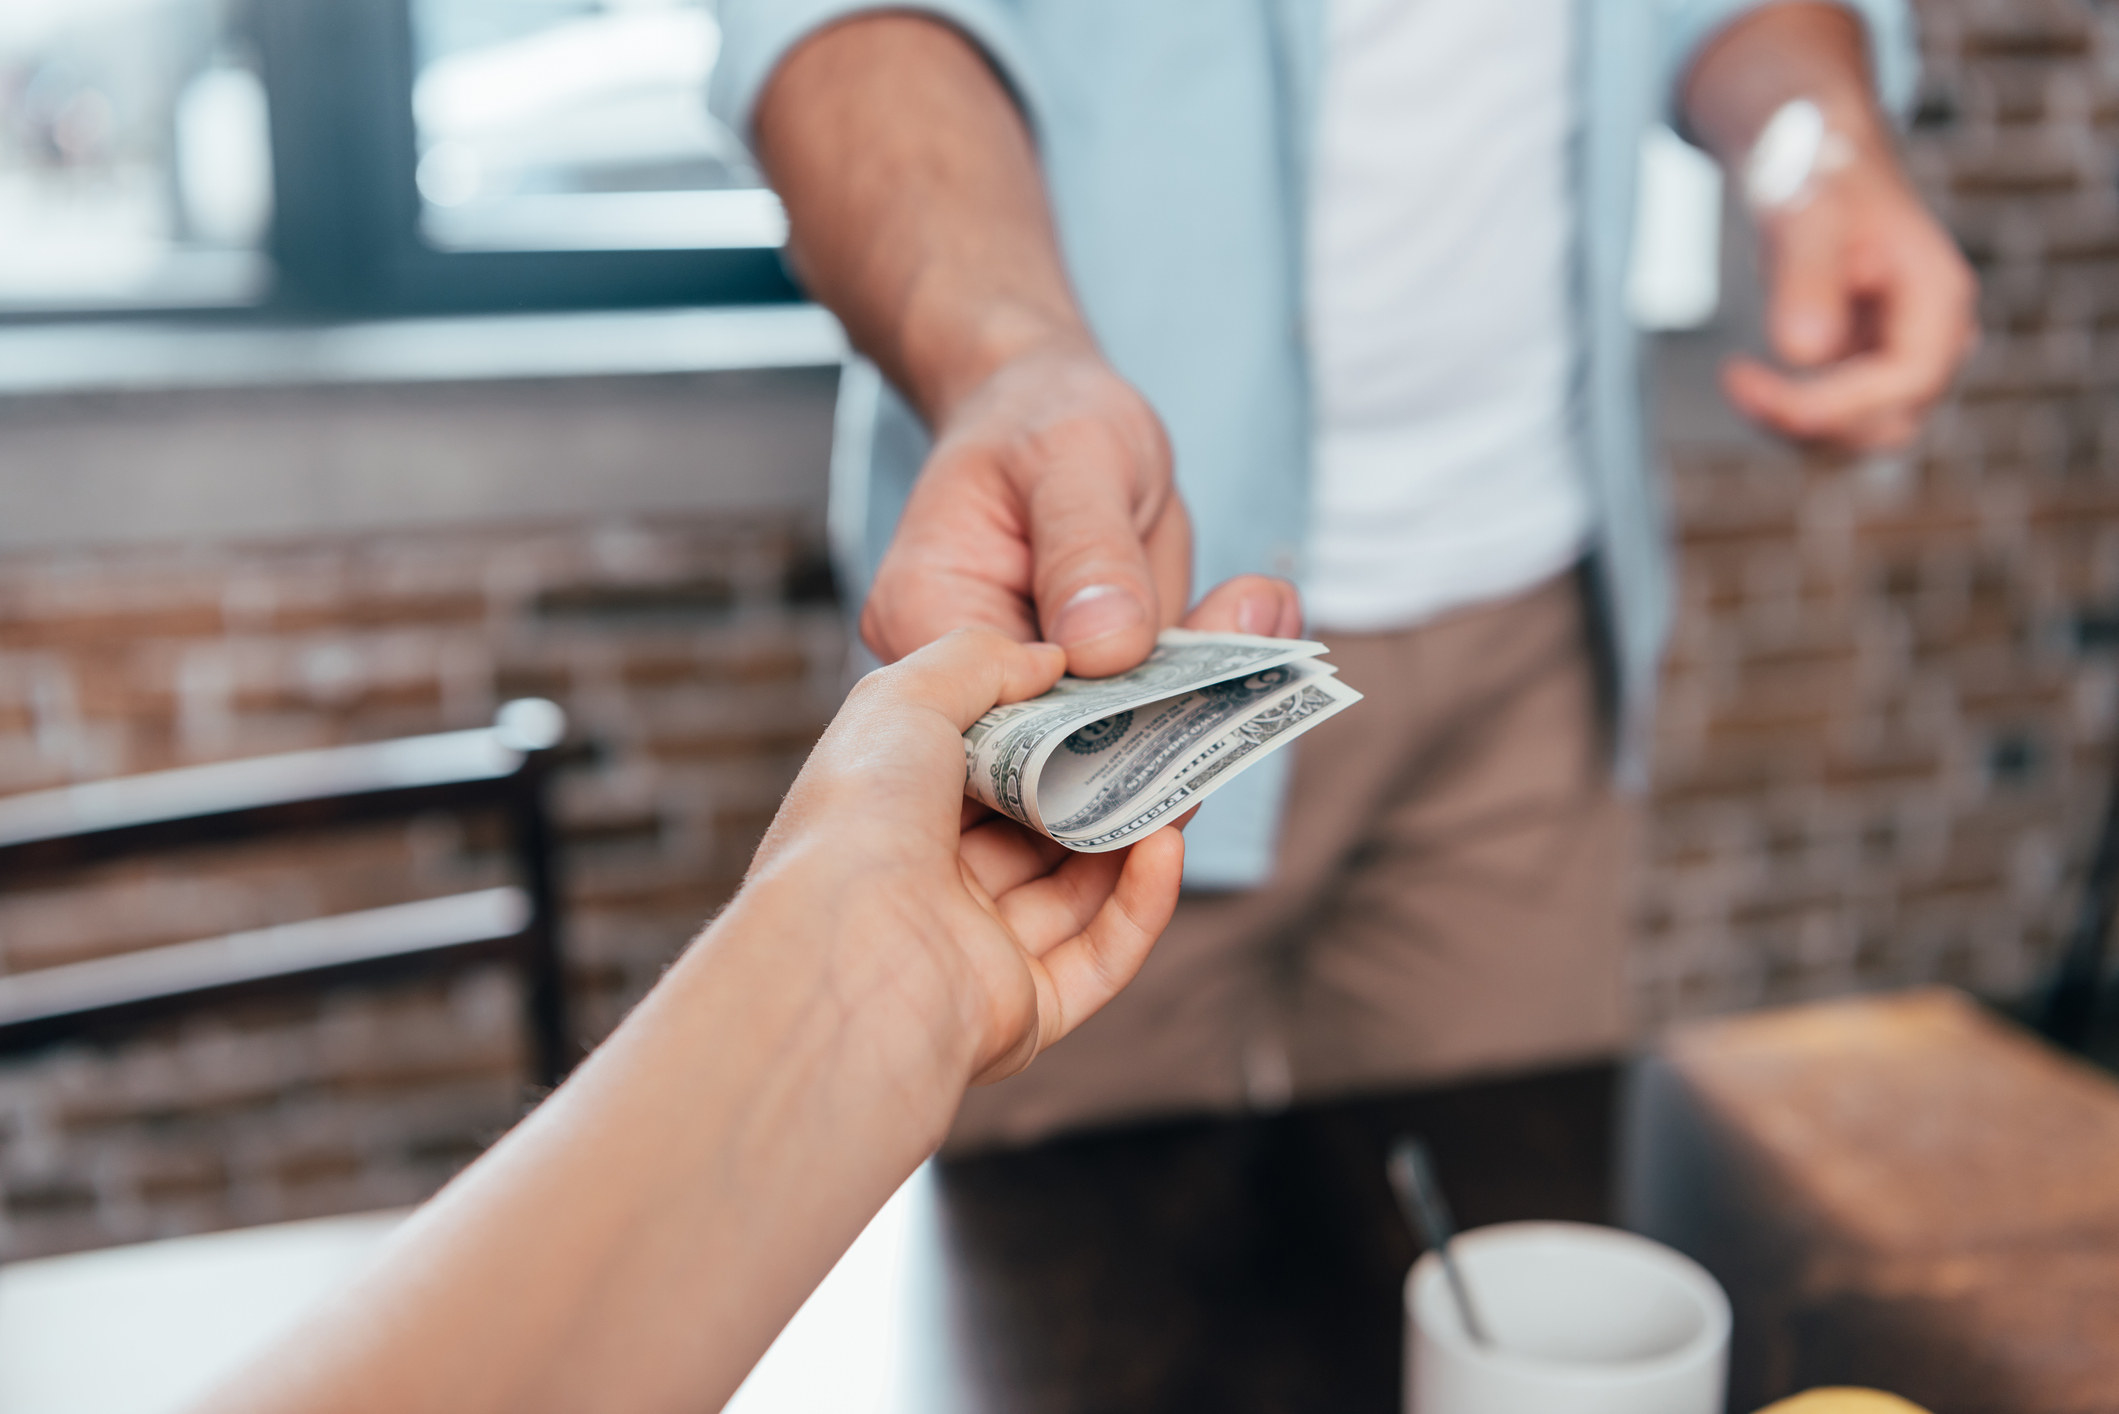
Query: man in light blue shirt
point(1079, 240)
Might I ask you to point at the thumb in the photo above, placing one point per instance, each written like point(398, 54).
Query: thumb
point(1091, 575)
point(1808, 315)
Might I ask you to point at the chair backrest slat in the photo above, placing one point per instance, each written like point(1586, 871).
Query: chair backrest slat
point(75, 825)
point(503, 767)
point(52, 1001)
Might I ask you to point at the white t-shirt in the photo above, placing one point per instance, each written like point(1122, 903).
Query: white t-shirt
point(1439, 263)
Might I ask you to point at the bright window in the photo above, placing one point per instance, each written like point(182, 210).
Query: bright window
point(135, 162)
point(578, 125)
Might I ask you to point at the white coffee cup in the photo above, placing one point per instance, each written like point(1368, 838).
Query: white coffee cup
point(1584, 1320)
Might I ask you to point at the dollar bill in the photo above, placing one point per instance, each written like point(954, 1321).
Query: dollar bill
point(1098, 762)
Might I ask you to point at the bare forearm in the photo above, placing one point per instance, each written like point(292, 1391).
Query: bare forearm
point(917, 208)
point(636, 1244)
point(1794, 49)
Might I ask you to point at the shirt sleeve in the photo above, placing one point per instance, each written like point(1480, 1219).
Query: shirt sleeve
point(1894, 53)
point(756, 35)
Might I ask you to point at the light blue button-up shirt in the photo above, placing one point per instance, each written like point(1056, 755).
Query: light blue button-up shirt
point(1175, 139)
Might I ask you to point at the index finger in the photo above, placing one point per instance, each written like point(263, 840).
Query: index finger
point(906, 609)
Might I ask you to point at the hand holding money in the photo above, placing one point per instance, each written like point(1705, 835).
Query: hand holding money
point(1095, 763)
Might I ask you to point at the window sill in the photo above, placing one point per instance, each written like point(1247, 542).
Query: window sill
point(147, 432)
point(155, 356)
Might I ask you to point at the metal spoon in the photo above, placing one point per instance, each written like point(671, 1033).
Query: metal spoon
point(1412, 1173)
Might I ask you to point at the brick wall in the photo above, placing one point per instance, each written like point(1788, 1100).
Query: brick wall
point(1883, 751)
point(1881, 755)
point(700, 656)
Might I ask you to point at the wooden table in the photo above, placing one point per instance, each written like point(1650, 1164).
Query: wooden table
point(1905, 1191)
point(1232, 1265)
point(1828, 1163)
point(1227, 1265)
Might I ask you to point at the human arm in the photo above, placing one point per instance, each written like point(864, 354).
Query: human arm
point(1870, 304)
point(639, 1239)
point(918, 214)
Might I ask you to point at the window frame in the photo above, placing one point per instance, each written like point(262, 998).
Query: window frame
point(345, 237)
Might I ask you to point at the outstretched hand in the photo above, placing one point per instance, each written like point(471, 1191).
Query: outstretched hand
point(1024, 938)
point(1047, 510)
point(637, 1241)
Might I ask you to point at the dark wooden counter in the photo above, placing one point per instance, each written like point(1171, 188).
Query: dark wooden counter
point(1230, 1265)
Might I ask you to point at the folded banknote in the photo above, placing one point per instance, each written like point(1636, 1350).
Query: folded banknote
point(1098, 762)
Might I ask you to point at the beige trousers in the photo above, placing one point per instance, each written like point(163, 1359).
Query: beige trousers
point(1451, 895)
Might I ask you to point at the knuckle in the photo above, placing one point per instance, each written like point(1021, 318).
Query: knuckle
point(873, 692)
point(976, 641)
point(957, 455)
point(1082, 443)
point(1118, 437)
point(874, 632)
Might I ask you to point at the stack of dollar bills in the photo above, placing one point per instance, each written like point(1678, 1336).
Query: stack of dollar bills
point(1096, 763)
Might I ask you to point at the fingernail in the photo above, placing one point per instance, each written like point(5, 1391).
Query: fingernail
point(1095, 612)
point(1260, 614)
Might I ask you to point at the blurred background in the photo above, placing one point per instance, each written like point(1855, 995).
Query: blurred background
point(189, 153)
point(366, 365)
